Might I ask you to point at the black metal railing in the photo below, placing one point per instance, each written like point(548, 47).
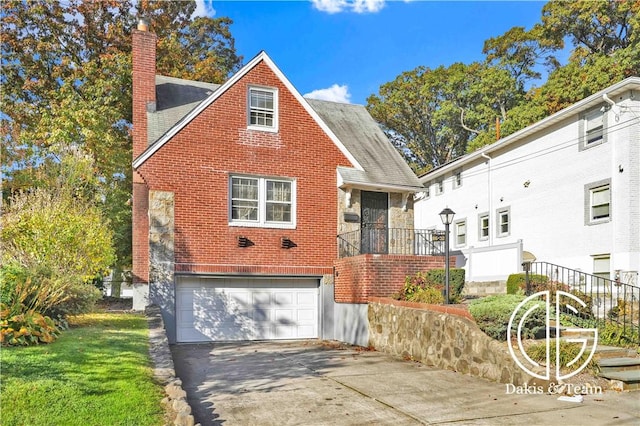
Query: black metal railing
point(399, 241)
point(608, 301)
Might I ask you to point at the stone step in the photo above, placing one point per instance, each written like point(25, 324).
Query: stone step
point(610, 365)
point(623, 380)
point(603, 351)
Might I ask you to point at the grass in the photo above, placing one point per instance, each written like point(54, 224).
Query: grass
point(96, 373)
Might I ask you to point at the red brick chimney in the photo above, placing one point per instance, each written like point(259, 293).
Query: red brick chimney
point(144, 83)
point(144, 99)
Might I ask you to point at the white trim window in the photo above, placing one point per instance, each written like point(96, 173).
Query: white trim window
point(461, 232)
point(263, 109)
point(457, 179)
point(504, 222)
point(602, 270)
point(598, 202)
point(592, 128)
point(483, 228)
point(440, 186)
point(262, 202)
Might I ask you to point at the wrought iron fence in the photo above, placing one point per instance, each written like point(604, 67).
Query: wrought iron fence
point(382, 240)
point(607, 301)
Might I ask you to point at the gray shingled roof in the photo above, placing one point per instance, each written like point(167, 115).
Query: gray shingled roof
point(364, 139)
point(353, 126)
point(175, 97)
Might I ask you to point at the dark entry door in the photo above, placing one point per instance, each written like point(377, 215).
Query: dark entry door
point(375, 211)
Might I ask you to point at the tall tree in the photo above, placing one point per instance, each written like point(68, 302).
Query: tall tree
point(431, 115)
point(66, 78)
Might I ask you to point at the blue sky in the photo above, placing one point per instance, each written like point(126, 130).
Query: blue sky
point(344, 50)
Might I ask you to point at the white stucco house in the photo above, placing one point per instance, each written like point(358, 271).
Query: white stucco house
point(565, 190)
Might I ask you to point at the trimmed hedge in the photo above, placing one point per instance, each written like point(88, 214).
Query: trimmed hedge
point(492, 315)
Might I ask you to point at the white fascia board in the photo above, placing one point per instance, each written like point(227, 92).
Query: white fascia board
point(633, 83)
point(262, 56)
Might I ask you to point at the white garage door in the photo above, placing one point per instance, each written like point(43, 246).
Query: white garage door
point(245, 309)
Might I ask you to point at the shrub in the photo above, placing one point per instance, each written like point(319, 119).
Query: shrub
point(419, 288)
point(456, 281)
point(492, 315)
point(28, 328)
point(568, 352)
point(517, 282)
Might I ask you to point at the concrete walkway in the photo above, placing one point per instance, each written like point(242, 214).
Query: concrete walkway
point(325, 383)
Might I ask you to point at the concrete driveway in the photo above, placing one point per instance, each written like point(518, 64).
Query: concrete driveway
point(326, 383)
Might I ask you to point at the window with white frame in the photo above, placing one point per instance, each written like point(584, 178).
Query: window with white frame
point(460, 228)
point(427, 190)
point(598, 202)
point(440, 186)
point(592, 128)
point(457, 179)
point(504, 222)
point(262, 201)
point(263, 108)
point(483, 226)
point(602, 268)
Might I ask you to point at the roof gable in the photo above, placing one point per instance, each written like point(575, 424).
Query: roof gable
point(199, 107)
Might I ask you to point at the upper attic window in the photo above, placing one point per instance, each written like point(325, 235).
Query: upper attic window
point(263, 109)
point(592, 128)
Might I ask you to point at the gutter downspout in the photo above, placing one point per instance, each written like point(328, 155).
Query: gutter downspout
point(490, 196)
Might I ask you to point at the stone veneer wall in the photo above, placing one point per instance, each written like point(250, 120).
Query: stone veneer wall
point(175, 402)
point(449, 340)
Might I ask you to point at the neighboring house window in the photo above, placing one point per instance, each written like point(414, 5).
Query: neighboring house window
point(263, 108)
point(439, 186)
point(592, 128)
point(457, 179)
point(461, 232)
point(597, 202)
point(260, 201)
point(602, 268)
point(483, 221)
point(427, 190)
point(504, 222)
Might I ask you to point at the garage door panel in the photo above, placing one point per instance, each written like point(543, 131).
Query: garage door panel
point(246, 309)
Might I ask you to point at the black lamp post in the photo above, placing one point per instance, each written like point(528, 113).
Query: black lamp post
point(447, 218)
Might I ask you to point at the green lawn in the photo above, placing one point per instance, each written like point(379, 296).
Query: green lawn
point(96, 373)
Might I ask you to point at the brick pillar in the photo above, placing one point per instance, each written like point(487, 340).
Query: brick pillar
point(144, 86)
point(140, 234)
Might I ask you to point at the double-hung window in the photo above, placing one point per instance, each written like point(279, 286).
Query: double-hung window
point(598, 202)
point(263, 109)
point(457, 179)
point(592, 128)
point(504, 222)
point(440, 186)
point(262, 201)
point(461, 232)
point(483, 221)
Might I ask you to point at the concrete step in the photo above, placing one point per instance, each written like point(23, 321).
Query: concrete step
point(603, 351)
point(623, 380)
point(610, 365)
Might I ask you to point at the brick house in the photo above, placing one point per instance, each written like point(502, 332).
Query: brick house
point(239, 192)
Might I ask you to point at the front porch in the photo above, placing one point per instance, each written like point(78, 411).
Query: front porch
point(375, 260)
point(376, 239)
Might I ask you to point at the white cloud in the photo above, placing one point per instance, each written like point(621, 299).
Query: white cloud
point(334, 93)
point(204, 8)
point(357, 6)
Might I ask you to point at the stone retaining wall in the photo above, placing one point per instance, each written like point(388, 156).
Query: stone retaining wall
point(449, 340)
point(175, 403)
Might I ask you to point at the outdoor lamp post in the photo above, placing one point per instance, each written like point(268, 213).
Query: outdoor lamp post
point(447, 218)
